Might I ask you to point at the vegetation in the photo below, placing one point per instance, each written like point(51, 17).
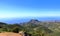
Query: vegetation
point(33, 27)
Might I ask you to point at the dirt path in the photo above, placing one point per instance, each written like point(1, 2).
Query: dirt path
point(9, 34)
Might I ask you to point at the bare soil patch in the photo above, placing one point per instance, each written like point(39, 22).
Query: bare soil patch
point(9, 34)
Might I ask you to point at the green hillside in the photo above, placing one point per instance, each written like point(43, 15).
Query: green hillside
point(33, 27)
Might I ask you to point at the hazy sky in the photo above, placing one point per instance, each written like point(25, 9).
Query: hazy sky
point(29, 8)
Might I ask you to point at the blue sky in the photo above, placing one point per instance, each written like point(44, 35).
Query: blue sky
point(29, 8)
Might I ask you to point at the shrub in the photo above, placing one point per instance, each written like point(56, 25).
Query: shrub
point(16, 30)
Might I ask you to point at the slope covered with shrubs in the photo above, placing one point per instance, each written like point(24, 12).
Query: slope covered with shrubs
point(33, 27)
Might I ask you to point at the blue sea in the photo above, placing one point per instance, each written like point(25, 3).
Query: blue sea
point(26, 19)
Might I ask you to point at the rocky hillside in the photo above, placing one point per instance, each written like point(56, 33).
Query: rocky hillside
point(54, 26)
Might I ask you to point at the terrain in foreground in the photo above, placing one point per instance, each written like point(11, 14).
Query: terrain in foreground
point(32, 28)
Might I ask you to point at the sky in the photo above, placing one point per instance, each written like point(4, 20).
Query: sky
point(29, 8)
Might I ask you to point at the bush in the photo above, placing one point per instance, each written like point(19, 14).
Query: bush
point(16, 30)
